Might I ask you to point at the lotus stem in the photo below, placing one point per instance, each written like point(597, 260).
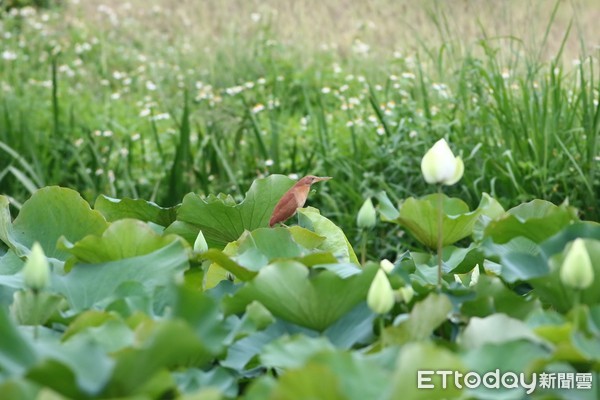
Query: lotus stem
point(363, 247)
point(440, 236)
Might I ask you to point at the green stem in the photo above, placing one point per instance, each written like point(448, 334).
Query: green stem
point(381, 334)
point(363, 247)
point(36, 327)
point(440, 235)
point(576, 301)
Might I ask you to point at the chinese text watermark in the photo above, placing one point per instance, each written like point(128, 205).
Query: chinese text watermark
point(509, 380)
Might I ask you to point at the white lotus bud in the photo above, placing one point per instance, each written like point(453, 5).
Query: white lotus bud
point(366, 217)
point(36, 272)
point(407, 293)
point(200, 245)
point(380, 298)
point(474, 276)
point(576, 270)
point(386, 265)
point(439, 165)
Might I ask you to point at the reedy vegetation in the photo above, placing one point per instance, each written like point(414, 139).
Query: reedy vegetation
point(156, 101)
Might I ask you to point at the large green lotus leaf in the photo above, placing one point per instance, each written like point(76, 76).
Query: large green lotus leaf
point(254, 250)
point(10, 263)
point(425, 316)
point(21, 389)
point(420, 217)
point(89, 319)
point(516, 356)
point(333, 375)
point(124, 238)
point(75, 368)
point(519, 244)
point(494, 329)
point(561, 338)
point(17, 354)
point(96, 285)
point(455, 259)
point(539, 264)
point(356, 326)
point(115, 209)
point(491, 296)
point(306, 238)
point(556, 244)
point(523, 267)
point(72, 368)
point(245, 349)
point(425, 356)
point(316, 301)
point(159, 346)
point(202, 314)
point(293, 351)
point(108, 329)
point(222, 220)
point(215, 384)
point(187, 231)
point(335, 241)
point(550, 289)
point(537, 220)
point(50, 213)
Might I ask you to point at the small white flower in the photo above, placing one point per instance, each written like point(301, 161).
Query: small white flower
point(150, 85)
point(9, 55)
point(257, 108)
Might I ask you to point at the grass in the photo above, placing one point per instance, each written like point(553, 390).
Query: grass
point(133, 100)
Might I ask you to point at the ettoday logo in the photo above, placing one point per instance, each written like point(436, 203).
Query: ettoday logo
point(509, 380)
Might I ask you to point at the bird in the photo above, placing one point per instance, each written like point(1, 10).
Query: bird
point(294, 199)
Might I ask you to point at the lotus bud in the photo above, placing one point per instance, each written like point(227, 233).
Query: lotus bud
point(576, 270)
point(36, 272)
point(366, 218)
point(439, 165)
point(200, 245)
point(474, 276)
point(386, 265)
point(458, 280)
point(406, 293)
point(380, 298)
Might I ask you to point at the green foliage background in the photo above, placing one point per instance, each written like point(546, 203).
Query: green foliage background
point(167, 117)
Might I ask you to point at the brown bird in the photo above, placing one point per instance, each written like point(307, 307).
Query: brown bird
point(294, 198)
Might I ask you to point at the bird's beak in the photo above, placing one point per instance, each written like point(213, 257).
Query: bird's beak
point(322, 178)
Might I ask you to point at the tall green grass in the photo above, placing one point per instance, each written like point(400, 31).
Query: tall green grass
point(156, 123)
